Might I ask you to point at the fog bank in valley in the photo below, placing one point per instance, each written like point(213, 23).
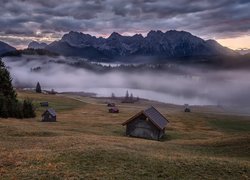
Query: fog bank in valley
point(192, 86)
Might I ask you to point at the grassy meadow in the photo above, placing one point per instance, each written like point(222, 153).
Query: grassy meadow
point(89, 143)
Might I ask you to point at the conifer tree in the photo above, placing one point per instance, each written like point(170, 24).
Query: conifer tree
point(127, 95)
point(9, 105)
point(131, 97)
point(7, 93)
point(38, 88)
point(6, 88)
point(4, 111)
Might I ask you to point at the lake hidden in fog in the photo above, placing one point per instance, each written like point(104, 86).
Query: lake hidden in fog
point(145, 94)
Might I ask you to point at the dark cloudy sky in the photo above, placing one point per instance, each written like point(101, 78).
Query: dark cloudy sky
point(227, 21)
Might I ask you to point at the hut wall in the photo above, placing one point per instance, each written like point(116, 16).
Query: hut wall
point(161, 133)
point(47, 117)
point(140, 127)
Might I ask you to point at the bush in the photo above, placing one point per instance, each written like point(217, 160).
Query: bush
point(28, 109)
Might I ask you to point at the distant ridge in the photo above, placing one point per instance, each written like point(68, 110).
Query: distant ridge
point(36, 45)
point(171, 44)
point(243, 51)
point(5, 48)
point(30, 51)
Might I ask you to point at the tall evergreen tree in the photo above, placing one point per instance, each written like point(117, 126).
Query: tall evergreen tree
point(113, 95)
point(7, 93)
point(38, 88)
point(131, 97)
point(127, 95)
point(6, 88)
point(9, 105)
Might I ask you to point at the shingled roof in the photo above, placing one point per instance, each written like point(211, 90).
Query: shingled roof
point(51, 111)
point(153, 115)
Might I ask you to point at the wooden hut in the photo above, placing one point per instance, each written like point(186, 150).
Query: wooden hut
point(49, 115)
point(148, 124)
point(44, 104)
point(111, 104)
point(113, 110)
point(187, 109)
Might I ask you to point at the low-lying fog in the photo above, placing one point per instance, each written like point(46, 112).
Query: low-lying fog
point(197, 86)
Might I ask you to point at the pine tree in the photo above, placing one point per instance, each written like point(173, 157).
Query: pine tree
point(52, 91)
point(7, 93)
point(4, 111)
point(127, 95)
point(131, 97)
point(38, 88)
point(9, 105)
point(18, 110)
point(6, 88)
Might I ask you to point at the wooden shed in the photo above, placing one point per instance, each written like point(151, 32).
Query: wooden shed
point(111, 104)
point(148, 124)
point(113, 110)
point(187, 108)
point(44, 104)
point(49, 115)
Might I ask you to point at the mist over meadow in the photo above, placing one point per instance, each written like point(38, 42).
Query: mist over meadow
point(198, 86)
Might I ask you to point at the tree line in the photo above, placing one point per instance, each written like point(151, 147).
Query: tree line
point(9, 104)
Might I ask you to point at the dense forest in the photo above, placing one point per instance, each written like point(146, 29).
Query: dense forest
point(9, 105)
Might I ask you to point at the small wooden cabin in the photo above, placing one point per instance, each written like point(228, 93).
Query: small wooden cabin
point(49, 115)
point(111, 104)
point(148, 124)
point(44, 104)
point(113, 110)
point(187, 108)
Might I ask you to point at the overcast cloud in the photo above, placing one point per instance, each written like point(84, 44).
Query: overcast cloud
point(24, 20)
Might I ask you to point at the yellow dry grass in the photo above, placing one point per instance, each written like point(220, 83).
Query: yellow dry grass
point(87, 142)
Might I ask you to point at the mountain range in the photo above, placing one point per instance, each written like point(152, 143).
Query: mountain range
point(171, 44)
point(167, 45)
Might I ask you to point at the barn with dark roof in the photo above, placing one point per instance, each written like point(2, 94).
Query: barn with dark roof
point(149, 124)
point(49, 115)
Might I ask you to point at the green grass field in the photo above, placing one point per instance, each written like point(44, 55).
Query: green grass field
point(89, 143)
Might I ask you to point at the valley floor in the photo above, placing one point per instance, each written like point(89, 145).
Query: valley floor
point(89, 143)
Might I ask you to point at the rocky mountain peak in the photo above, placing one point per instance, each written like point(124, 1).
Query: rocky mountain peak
point(114, 35)
point(37, 45)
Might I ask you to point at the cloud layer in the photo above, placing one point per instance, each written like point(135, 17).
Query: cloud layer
point(23, 20)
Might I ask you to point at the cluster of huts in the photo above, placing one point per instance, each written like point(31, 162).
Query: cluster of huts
point(148, 124)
